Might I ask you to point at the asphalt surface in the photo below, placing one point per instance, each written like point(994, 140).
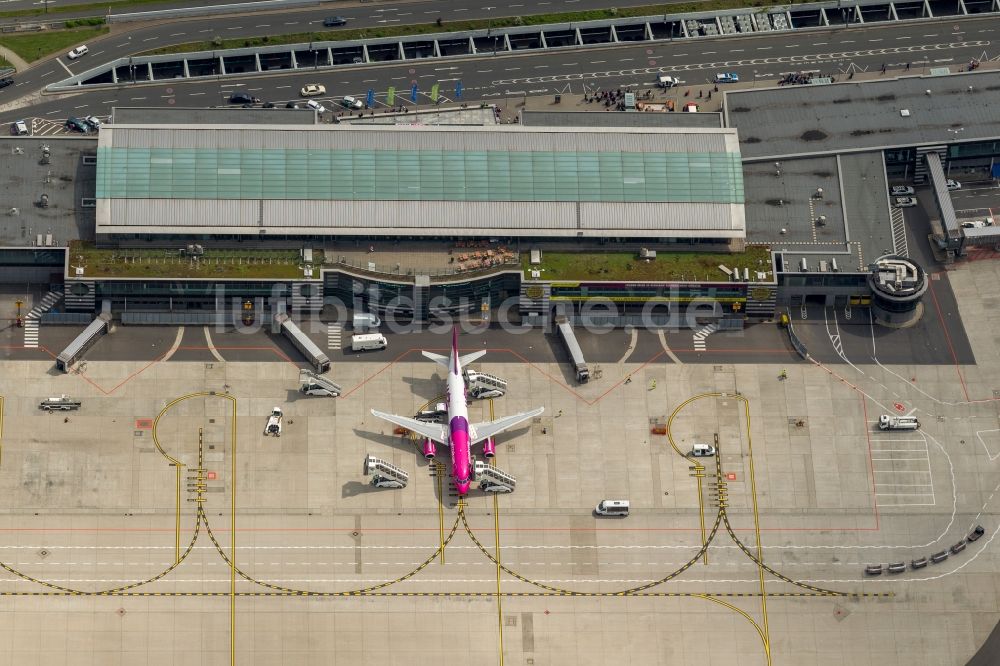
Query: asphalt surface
point(506, 78)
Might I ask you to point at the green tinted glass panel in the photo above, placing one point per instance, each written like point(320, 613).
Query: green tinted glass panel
point(418, 175)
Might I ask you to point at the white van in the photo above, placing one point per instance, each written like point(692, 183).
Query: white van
point(664, 81)
point(368, 341)
point(618, 508)
point(364, 321)
point(887, 422)
point(702, 450)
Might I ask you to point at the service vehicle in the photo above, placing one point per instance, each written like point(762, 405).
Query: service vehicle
point(702, 450)
point(615, 508)
point(352, 102)
point(62, 403)
point(368, 341)
point(437, 414)
point(312, 90)
point(727, 77)
point(364, 321)
point(901, 190)
point(273, 427)
point(94, 122)
point(316, 106)
point(81, 50)
point(481, 385)
point(954, 184)
point(334, 21)
point(905, 202)
point(19, 128)
point(889, 422)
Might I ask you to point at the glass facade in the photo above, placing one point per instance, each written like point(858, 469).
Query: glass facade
point(418, 175)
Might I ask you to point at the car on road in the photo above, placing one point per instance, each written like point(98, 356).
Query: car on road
point(19, 128)
point(727, 77)
point(905, 202)
point(242, 98)
point(313, 90)
point(268, 105)
point(901, 190)
point(93, 122)
point(76, 125)
point(6, 81)
point(334, 21)
point(352, 103)
point(316, 106)
point(77, 52)
point(954, 184)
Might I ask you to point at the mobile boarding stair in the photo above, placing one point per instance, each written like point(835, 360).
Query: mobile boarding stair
point(385, 474)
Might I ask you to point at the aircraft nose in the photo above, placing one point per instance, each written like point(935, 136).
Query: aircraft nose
point(463, 488)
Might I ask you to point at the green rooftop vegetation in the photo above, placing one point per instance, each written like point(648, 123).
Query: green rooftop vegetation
point(248, 264)
point(626, 266)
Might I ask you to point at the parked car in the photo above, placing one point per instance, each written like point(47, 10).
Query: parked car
point(77, 125)
point(94, 123)
point(905, 202)
point(6, 81)
point(334, 21)
point(352, 102)
point(901, 190)
point(727, 77)
point(268, 105)
point(954, 184)
point(77, 52)
point(313, 90)
point(358, 60)
point(19, 128)
point(242, 98)
point(291, 105)
point(978, 224)
point(316, 106)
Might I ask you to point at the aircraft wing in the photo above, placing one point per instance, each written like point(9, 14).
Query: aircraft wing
point(490, 428)
point(436, 431)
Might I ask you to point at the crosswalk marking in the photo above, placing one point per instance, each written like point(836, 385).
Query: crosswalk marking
point(333, 332)
point(899, 233)
point(902, 472)
point(31, 319)
point(699, 337)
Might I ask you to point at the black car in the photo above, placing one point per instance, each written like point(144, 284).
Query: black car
point(6, 81)
point(334, 21)
point(291, 105)
point(242, 98)
point(75, 124)
point(268, 105)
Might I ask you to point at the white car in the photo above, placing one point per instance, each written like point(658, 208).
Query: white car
point(316, 106)
point(352, 102)
point(901, 190)
point(77, 52)
point(93, 122)
point(906, 202)
point(954, 184)
point(19, 128)
point(313, 90)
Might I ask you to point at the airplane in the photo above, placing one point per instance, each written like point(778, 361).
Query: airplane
point(458, 433)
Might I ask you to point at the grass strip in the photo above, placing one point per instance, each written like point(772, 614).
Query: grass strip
point(36, 45)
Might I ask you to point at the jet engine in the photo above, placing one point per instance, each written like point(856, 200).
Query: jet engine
point(429, 449)
point(489, 448)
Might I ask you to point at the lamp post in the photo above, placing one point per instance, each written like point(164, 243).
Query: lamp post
point(19, 322)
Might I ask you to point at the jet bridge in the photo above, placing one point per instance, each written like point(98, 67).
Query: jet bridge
point(494, 480)
point(385, 474)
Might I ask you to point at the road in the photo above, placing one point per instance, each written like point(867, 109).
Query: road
point(512, 76)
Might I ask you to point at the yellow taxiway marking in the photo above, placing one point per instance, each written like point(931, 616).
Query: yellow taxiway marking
point(496, 553)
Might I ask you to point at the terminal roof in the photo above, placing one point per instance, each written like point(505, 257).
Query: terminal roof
point(849, 116)
point(505, 180)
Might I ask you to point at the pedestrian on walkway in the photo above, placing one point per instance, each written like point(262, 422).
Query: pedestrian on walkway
point(652, 384)
point(784, 374)
point(628, 379)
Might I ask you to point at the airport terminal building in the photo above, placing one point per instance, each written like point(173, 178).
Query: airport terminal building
point(193, 212)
